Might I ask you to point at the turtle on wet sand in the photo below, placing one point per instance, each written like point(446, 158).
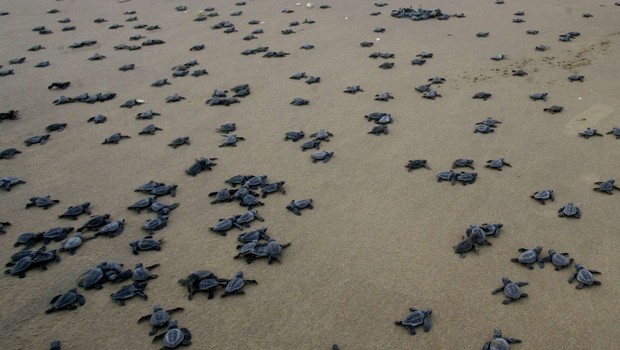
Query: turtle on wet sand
point(543, 195)
point(231, 140)
point(584, 277)
point(379, 130)
point(324, 156)
point(570, 210)
point(416, 318)
point(482, 95)
point(497, 164)
point(129, 291)
point(74, 211)
point(298, 101)
point(416, 164)
point(40, 139)
point(114, 138)
point(553, 109)
point(512, 290)
point(528, 257)
point(539, 96)
point(175, 336)
point(310, 145)
point(66, 301)
point(322, 135)
point(576, 77)
point(466, 178)
point(226, 128)
point(9, 153)
point(615, 131)
point(559, 260)
point(41, 202)
point(179, 141)
point(74, 242)
point(463, 163)
point(159, 318)
point(146, 243)
point(150, 130)
point(297, 205)
point(465, 245)
point(235, 285)
point(499, 342)
point(353, 89)
point(606, 186)
point(587, 133)
point(7, 182)
point(449, 175)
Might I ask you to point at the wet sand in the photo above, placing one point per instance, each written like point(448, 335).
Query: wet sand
point(379, 239)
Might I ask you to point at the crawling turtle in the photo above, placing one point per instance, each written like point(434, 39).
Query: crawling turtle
point(543, 195)
point(324, 156)
point(490, 122)
point(294, 136)
point(95, 222)
point(512, 290)
point(179, 141)
point(150, 130)
point(200, 164)
point(499, 342)
point(231, 140)
point(74, 211)
point(416, 318)
point(298, 101)
point(159, 318)
point(297, 205)
point(97, 119)
point(584, 277)
point(114, 138)
point(539, 96)
point(226, 128)
point(250, 201)
point(466, 178)
point(298, 76)
point(379, 130)
point(126, 67)
point(447, 176)
point(162, 208)
point(254, 181)
point(249, 216)
point(482, 95)
point(274, 186)
point(199, 72)
point(569, 210)
point(418, 61)
point(519, 73)
point(3, 226)
point(66, 301)
point(175, 336)
point(463, 163)
point(235, 285)
point(384, 96)
point(223, 225)
point(431, 94)
point(155, 224)
point(55, 127)
point(353, 89)
point(20, 267)
point(28, 239)
point(223, 195)
point(425, 54)
point(73, 243)
point(40, 139)
point(587, 133)
point(164, 190)
point(132, 103)
point(142, 273)
point(56, 234)
point(310, 145)
point(576, 77)
point(366, 44)
point(129, 291)
point(497, 164)
point(274, 250)
point(559, 260)
point(43, 257)
point(313, 80)
point(9, 153)
point(606, 186)
point(146, 243)
point(322, 135)
point(483, 129)
point(93, 278)
point(498, 57)
point(41, 202)
point(416, 164)
point(160, 83)
point(437, 80)
point(149, 186)
point(387, 65)
point(615, 131)
point(482, 34)
point(112, 229)
point(7, 182)
point(238, 180)
point(553, 109)
point(467, 244)
point(542, 48)
point(528, 257)
point(174, 98)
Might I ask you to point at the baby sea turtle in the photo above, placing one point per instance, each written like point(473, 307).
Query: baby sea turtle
point(142, 273)
point(96, 57)
point(431, 94)
point(298, 76)
point(490, 122)
point(446, 176)
point(161, 208)
point(56, 127)
point(384, 96)
point(249, 216)
point(197, 47)
point(42, 64)
point(4, 72)
point(298, 101)
point(569, 210)
point(539, 96)
point(615, 131)
point(437, 80)
point(482, 95)
point(150, 130)
point(175, 336)
point(157, 224)
point(366, 44)
point(131, 103)
point(584, 277)
point(73, 243)
point(179, 141)
point(199, 72)
point(542, 48)
point(223, 195)
point(463, 163)
point(559, 260)
point(576, 77)
point(223, 225)
point(112, 229)
point(148, 114)
point(7, 182)
point(9, 153)
point(498, 57)
point(126, 67)
point(28, 239)
point(231, 140)
point(425, 54)
point(95, 222)
point(250, 201)
point(174, 98)
point(606, 186)
point(528, 257)
point(274, 186)
point(74, 211)
point(254, 181)
point(543, 195)
point(40, 139)
point(66, 301)
point(483, 129)
point(20, 267)
point(129, 291)
point(499, 342)
point(226, 128)
point(467, 244)
point(497, 164)
point(297, 205)
point(149, 186)
point(466, 178)
point(416, 318)
point(41, 202)
point(512, 290)
point(482, 34)
point(97, 119)
point(115, 138)
point(553, 109)
point(310, 145)
point(353, 89)
point(146, 243)
point(387, 65)
point(42, 257)
point(322, 135)
point(587, 133)
point(416, 164)
point(519, 73)
point(159, 318)
point(56, 234)
point(324, 156)
point(379, 130)
point(313, 80)
point(235, 285)
point(418, 61)
point(164, 190)
point(160, 83)
point(3, 226)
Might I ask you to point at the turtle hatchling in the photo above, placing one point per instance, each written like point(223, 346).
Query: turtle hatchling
point(41, 202)
point(164, 190)
point(584, 277)
point(559, 260)
point(160, 83)
point(40, 139)
point(466, 178)
point(150, 130)
point(310, 145)
point(7, 182)
point(431, 94)
point(497, 164)
point(512, 290)
point(231, 140)
point(498, 57)
point(115, 138)
point(235, 285)
point(275, 186)
point(131, 103)
point(297, 205)
point(324, 156)
point(463, 163)
point(142, 273)
point(298, 76)
point(466, 245)
point(298, 101)
point(416, 318)
point(576, 77)
point(606, 186)
point(74, 211)
point(543, 195)
point(447, 176)
point(226, 128)
point(379, 130)
point(155, 224)
point(528, 257)
point(97, 119)
point(175, 336)
point(179, 141)
point(570, 210)
point(553, 109)
point(73, 243)
point(384, 96)
point(159, 318)
point(483, 129)
point(499, 342)
point(353, 89)
point(482, 95)
point(146, 243)
point(129, 291)
point(66, 301)
point(95, 222)
point(587, 133)
point(416, 164)
point(539, 96)
point(322, 135)
point(112, 229)
point(519, 73)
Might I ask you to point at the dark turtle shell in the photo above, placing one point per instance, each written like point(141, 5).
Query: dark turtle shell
point(20, 268)
point(92, 278)
point(512, 291)
point(235, 284)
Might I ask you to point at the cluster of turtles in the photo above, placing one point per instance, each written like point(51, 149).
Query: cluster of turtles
point(257, 243)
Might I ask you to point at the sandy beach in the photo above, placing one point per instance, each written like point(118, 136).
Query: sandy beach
point(379, 239)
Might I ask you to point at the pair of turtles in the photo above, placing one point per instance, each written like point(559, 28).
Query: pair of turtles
point(202, 281)
point(25, 260)
point(272, 250)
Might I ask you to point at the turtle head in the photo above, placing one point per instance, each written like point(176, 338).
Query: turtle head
point(551, 252)
point(497, 333)
point(505, 280)
point(239, 274)
point(538, 249)
point(157, 307)
point(579, 267)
